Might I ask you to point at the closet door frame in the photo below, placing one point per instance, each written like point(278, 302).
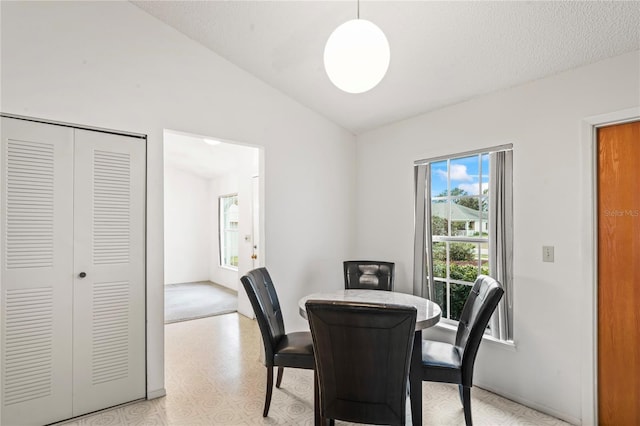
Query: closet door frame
point(140, 136)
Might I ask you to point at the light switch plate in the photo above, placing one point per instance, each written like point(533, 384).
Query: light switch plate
point(547, 254)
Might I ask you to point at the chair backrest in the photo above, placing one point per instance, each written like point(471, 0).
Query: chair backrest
point(362, 353)
point(368, 274)
point(264, 300)
point(478, 308)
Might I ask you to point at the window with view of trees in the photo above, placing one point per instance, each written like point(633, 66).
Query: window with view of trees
point(459, 224)
point(228, 230)
point(457, 238)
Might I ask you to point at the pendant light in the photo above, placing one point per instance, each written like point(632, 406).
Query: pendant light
point(356, 56)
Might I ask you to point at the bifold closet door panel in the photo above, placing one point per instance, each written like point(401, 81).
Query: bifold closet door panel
point(109, 272)
point(109, 259)
point(37, 259)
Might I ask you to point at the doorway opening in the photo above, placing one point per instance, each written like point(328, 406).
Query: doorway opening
point(212, 192)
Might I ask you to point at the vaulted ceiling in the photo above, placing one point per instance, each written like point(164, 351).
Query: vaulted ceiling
point(441, 52)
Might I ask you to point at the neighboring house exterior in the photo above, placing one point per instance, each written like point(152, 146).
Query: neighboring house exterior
point(475, 222)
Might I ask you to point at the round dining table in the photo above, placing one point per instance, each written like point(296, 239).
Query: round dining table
point(427, 315)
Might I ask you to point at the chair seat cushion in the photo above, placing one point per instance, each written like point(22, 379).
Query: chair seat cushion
point(441, 362)
point(295, 350)
point(440, 354)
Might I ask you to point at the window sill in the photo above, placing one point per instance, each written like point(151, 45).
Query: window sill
point(505, 344)
point(229, 268)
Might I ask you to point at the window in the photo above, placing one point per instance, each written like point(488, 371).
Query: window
point(459, 212)
point(228, 230)
point(463, 229)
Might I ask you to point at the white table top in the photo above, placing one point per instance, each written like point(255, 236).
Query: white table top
point(428, 312)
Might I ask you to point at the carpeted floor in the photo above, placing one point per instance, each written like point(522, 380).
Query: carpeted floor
point(187, 301)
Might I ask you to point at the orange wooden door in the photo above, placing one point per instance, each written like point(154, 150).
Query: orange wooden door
point(619, 274)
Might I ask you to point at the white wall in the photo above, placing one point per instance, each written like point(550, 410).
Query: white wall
point(543, 120)
point(191, 249)
point(187, 225)
point(110, 65)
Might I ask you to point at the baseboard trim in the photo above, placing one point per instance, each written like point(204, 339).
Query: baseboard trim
point(531, 404)
point(158, 393)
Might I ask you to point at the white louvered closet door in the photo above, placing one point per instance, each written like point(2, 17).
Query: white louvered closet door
point(73, 201)
point(37, 260)
point(109, 312)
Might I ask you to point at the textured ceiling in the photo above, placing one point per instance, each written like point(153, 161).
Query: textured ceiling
point(441, 52)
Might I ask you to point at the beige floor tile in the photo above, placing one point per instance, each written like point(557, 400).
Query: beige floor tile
point(214, 377)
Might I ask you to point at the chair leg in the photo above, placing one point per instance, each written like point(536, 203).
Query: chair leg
point(279, 379)
point(465, 394)
point(267, 398)
point(327, 422)
point(317, 418)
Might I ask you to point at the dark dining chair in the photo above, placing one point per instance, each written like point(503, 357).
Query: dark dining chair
point(368, 274)
point(447, 363)
point(280, 349)
point(363, 353)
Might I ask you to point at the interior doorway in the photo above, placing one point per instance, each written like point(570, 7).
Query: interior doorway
point(618, 209)
point(210, 212)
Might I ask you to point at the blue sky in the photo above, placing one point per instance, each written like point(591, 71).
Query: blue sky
point(465, 174)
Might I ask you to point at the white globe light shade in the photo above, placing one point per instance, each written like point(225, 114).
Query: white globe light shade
point(356, 56)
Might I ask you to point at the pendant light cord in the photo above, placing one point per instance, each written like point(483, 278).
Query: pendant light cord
point(358, 13)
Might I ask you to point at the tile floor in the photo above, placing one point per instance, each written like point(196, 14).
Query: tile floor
point(214, 377)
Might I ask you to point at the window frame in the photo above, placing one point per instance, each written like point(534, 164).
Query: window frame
point(223, 232)
point(424, 285)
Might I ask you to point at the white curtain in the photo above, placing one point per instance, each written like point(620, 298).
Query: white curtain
point(423, 259)
point(501, 239)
